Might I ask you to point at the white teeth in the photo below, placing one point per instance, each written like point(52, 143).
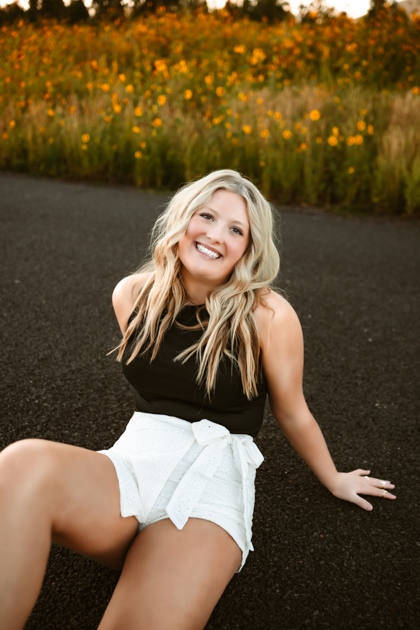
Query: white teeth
point(201, 248)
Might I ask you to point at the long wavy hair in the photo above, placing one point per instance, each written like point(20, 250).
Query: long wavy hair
point(230, 306)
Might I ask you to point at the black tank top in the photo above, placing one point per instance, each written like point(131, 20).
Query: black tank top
point(168, 387)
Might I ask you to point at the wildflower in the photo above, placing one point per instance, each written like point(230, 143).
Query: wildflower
point(157, 122)
point(208, 80)
point(303, 146)
point(265, 133)
point(361, 125)
point(89, 86)
point(262, 163)
point(304, 130)
point(228, 134)
point(136, 129)
point(350, 140)
point(319, 140)
point(51, 112)
point(129, 88)
point(138, 111)
point(5, 136)
point(287, 134)
point(62, 123)
point(117, 108)
point(358, 139)
point(162, 99)
point(107, 118)
point(235, 140)
point(363, 112)
point(416, 89)
point(240, 49)
point(370, 130)
point(122, 77)
point(228, 125)
point(259, 101)
point(105, 87)
point(332, 141)
point(243, 97)
point(357, 74)
point(84, 147)
point(72, 109)
point(220, 91)
point(188, 94)
point(42, 130)
point(138, 154)
point(277, 115)
point(337, 99)
point(51, 140)
point(314, 115)
point(12, 123)
point(246, 128)
point(269, 113)
point(351, 170)
point(203, 99)
point(335, 131)
point(86, 137)
point(229, 112)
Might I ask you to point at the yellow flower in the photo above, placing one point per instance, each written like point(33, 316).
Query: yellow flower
point(142, 144)
point(297, 125)
point(351, 170)
point(361, 125)
point(287, 134)
point(86, 137)
point(42, 130)
point(246, 128)
point(303, 146)
point(277, 115)
point(12, 123)
point(265, 133)
point(129, 88)
point(51, 140)
point(89, 86)
point(416, 89)
point(107, 118)
point(304, 130)
point(5, 136)
point(370, 130)
point(162, 99)
point(72, 109)
point(84, 147)
point(229, 112)
point(157, 122)
point(332, 140)
point(188, 94)
point(228, 134)
point(208, 80)
point(105, 87)
point(117, 108)
point(335, 131)
point(315, 115)
point(319, 140)
point(51, 112)
point(220, 91)
point(138, 154)
point(122, 77)
point(358, 139)
point(363, 112)
point(136, 129)
point(228, 125)
point(259, 101)
point(62, 123)
point(235, 140)
point(243, 97)
point(240, 49)
point(138, 111)
point(337, 99)
point(350, 140)
point(357, 74)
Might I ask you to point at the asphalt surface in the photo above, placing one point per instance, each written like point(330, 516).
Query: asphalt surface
point(319, 562)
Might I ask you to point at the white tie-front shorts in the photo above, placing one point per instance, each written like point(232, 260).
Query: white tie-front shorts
point(171, 468)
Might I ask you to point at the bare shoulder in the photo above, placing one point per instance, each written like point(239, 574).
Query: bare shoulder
point(276, 316)
point(125, 294)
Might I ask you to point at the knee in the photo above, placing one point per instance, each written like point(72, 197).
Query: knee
point(27, 462)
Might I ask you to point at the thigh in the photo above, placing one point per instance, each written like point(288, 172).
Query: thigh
point(76, 490)
point(173, 578)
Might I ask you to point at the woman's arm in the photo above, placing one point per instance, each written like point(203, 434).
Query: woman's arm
point(124, 297)
point(282, 344)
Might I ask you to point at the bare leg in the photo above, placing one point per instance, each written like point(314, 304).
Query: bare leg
point(54, 492)
point(173, 579)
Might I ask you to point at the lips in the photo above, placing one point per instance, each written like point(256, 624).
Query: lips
point(210, 248)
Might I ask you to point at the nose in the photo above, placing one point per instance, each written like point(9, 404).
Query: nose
point(215, 232)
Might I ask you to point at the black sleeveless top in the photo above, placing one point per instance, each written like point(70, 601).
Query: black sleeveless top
point(170, 388)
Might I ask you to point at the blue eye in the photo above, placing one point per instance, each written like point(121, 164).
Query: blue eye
point(206, 214)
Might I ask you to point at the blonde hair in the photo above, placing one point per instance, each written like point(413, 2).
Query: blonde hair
point(230, 306)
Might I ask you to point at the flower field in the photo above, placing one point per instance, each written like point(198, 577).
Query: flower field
point(322, 113)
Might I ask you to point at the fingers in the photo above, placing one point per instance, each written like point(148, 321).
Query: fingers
point(363, 503)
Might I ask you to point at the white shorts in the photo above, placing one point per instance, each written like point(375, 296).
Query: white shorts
point(171, 468)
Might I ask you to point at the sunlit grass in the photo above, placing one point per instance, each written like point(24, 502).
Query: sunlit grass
point(321, 114)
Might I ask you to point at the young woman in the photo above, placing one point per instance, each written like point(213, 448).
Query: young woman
point(205, 338)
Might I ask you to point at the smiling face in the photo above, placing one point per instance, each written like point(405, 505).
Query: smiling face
point(221, 231)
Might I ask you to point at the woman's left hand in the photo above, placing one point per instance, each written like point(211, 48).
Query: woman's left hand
point(348, 486)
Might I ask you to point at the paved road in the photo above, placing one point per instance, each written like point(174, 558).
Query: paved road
point(319, 562)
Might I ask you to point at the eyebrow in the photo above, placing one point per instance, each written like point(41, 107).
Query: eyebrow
point(232, 221)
